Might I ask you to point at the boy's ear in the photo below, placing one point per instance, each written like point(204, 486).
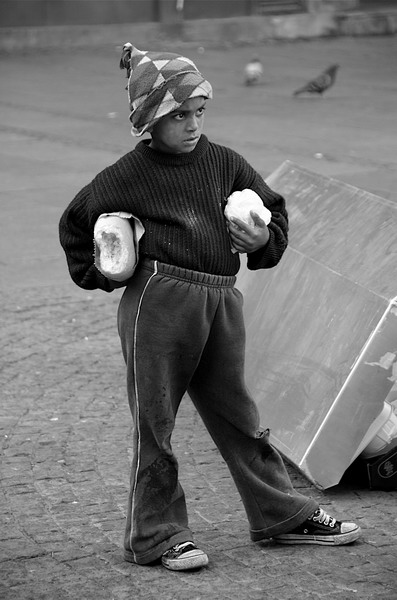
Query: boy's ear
point(125, 60)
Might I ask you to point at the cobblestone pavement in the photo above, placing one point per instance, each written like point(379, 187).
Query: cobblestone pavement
point(64, 420)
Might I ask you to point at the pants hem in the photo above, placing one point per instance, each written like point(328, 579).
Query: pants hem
point(308, 509)
point(155, 553)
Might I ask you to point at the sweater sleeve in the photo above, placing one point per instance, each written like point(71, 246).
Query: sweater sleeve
point(76, 234)
point(270, 255)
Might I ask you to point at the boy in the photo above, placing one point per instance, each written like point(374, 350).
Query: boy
point(180, 318)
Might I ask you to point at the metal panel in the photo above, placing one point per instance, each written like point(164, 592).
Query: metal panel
point(320, 322)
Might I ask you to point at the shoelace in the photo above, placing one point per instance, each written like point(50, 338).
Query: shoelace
point(179, 547)
point(321, 516)
point(183, 545)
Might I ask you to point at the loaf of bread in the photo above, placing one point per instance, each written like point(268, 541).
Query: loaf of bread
point(240, 204)
point(116, 245)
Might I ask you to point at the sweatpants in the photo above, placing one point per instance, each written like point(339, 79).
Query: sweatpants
point(183, 331)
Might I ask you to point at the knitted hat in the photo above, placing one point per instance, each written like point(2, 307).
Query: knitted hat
point(159, 83)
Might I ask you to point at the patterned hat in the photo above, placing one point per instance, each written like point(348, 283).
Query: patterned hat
point(159, 83)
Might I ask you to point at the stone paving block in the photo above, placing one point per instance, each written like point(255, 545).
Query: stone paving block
point(18, 548)
point(45, 567)
point(383, 564)
point(255, 557)
point(12, 574)
point(373, 587)
point(25, 592)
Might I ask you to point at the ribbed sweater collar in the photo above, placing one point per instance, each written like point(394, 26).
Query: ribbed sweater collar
point(164, 158)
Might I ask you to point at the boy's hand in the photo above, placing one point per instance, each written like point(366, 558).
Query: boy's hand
point(247, 238)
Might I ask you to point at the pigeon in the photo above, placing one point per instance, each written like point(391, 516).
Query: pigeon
point(320, 84)
point(253, 71)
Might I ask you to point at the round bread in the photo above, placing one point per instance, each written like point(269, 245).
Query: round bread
point(240, 204)
point(115, 255)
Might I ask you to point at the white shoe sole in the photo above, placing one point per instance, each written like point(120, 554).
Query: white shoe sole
point(321, 540)
point(195, 559)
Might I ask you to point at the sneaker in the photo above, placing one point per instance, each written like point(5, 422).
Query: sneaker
point(320, 528)
point(184, 556)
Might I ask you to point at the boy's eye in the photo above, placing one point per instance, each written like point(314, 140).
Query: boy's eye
point(180, 116)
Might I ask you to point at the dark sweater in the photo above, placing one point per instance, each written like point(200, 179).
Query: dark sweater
point(180, 200)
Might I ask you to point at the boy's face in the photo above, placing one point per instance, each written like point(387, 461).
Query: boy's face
point(180, 131)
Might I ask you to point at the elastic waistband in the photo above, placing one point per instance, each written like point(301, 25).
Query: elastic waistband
point(187, 274)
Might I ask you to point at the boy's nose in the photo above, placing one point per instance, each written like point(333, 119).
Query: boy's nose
point(193, 124)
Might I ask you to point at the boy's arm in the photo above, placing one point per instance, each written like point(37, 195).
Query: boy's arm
point(270, 254)
point(76, 234)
